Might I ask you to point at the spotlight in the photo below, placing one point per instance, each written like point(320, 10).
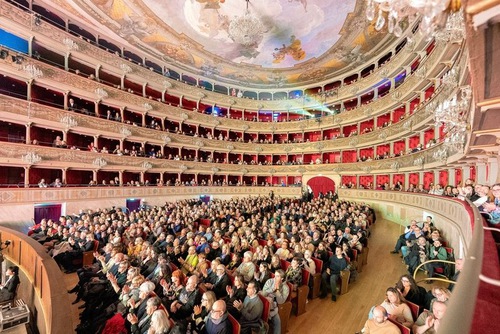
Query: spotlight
point(4, 54)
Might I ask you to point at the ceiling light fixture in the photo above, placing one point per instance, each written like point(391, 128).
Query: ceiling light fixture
point(452, 114)
point(246, 30)
point(392, 13)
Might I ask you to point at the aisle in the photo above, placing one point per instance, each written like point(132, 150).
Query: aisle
point(350, 312)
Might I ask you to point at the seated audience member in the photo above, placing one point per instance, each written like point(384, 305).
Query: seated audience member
point(189, 296)
point(217, 321)
point(493, 208)
point(411, 291)
point(417, 254)
point(437, 293)
point(263, 274)
point(294, 273)
point(250, 309)
point(428, 322)
point(219, 283)
point(396, 307)
point(116, 324)
point(236, 292)
point(8, 290)
point(275, 263)
point(200, 312)
point(459, 264)
point(172, 290)
point(335, 264)
point(409, 234)
point(160, 323)
point(141, 325)
point(436, 252)
point(379, 324)
point(276, 290)
point(42, 184)
point(247, 267)
point(190, 262)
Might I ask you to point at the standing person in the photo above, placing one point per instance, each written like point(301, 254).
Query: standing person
point(8, 290)
point(276, 290)
point(334, 266)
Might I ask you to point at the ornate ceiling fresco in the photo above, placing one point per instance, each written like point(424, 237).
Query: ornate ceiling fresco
point(293, 42)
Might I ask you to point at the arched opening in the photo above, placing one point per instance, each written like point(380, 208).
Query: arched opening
point(321, 184)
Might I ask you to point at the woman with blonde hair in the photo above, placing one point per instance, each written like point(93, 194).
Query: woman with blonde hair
point(200, 312)
point(440, 294)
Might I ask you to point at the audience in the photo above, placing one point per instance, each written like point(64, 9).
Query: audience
point(141, 252)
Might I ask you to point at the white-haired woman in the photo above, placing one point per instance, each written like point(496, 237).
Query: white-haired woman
point(160, 323)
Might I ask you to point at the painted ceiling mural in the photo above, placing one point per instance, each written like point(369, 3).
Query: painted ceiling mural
point(292, 41)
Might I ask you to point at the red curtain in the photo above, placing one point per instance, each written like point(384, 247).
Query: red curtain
point(48, 211)
point(321, 184)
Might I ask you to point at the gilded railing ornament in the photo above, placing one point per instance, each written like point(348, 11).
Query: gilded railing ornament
point(146, 165)
point(99, 162)
point(31, 158)
point(166, 139)
point(125, 132)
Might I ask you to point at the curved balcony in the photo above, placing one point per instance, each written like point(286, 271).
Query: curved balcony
point(53, 78)
point(16, 110)
point(462, 226)
point(48, 34)
point(12, 155)
point(40, 286)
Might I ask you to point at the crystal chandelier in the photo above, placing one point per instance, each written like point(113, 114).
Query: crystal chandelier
point(452, 114)
point(393, 12)
point(246, 30)
point(451, 78)
point(454, 29)
point(33, 71)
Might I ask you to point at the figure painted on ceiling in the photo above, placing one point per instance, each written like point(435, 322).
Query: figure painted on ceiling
point(294, 49)
point(213, 4)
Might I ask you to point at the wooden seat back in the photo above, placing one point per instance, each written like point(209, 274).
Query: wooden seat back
point(266, 309)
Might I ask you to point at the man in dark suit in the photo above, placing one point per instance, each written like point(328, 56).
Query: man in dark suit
point(188, 298)
point(72, 106)
point(141, 325)
point(8, 290)
point(218, 286)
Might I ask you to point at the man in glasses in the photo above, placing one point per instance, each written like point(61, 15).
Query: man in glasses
point(218, 321)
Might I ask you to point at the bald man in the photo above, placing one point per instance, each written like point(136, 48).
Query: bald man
point(428, 322)
point(218, 322)
point(379, 323)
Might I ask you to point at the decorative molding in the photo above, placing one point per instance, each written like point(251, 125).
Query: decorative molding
point(31, 158)
point(99, 162)
point(146, 165)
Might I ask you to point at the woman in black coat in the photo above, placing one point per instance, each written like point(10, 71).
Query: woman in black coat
point(8, 290)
